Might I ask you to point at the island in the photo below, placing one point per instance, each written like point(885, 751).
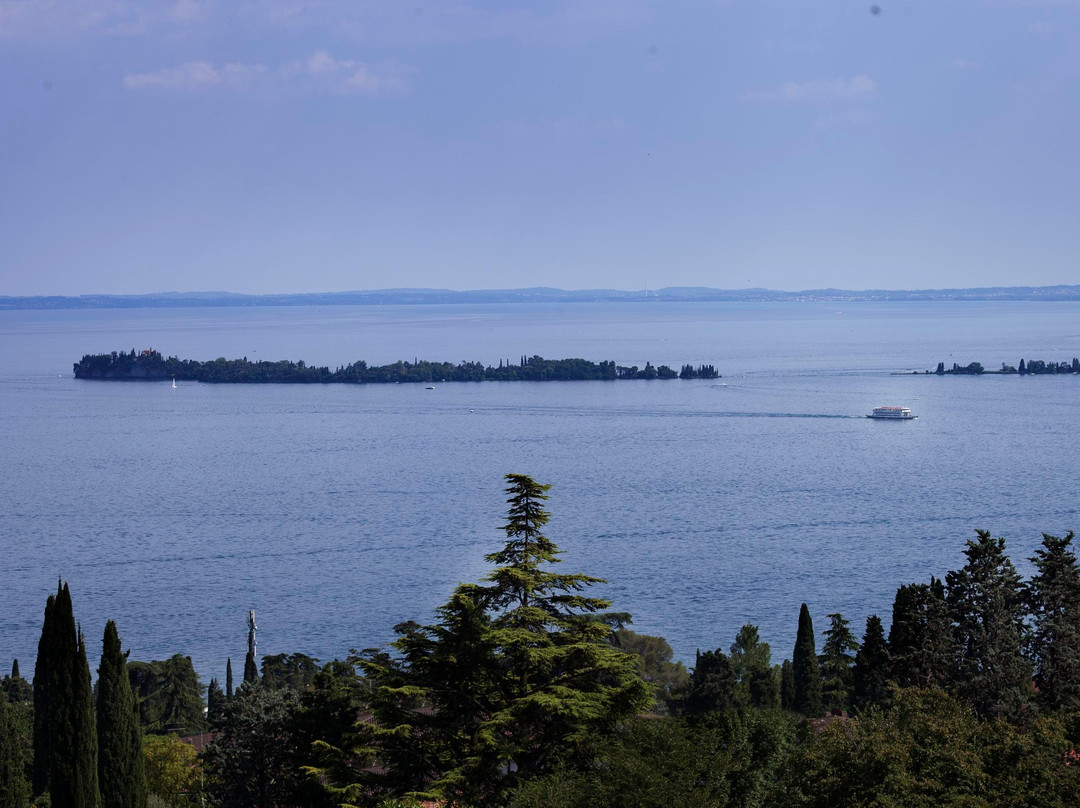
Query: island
point(1033, 367)
point(151, 365)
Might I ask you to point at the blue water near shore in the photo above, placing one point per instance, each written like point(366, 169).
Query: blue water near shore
point(338, 511)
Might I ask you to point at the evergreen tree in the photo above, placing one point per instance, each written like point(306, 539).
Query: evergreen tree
point(836, 662)
point(517, 672)
point(13, 786)
point(45, 653)
point(228, 678)
point(72, 777)
point(751, 660)
point(922, 647)
point(215, 701)
point(871, 670)
point(17, 689)
point(1053, 597)
point(169, 695)
point(787, 685)
point(121, 772)
point(987, 606)
point(804, 664)
point(251, 670)
point(713, 684)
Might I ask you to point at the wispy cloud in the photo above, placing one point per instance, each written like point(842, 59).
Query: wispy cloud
point(855, 89)
point(197, 75)
point(319, 72)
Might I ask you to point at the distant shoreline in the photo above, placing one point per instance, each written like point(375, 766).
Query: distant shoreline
point(405, 297)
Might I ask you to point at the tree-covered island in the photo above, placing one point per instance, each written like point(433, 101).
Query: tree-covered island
point(150, 365)
point(1033, 367)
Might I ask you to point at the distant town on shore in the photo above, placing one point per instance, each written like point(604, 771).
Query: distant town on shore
point(541, 294)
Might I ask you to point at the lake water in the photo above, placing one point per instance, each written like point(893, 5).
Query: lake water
point(336, 512)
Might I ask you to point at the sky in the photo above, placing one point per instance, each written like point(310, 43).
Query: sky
point(275, 146)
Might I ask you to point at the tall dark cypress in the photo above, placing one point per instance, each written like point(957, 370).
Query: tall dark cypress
point(121, 768)
point(228, 679)
point(85, 747)
point(922, 648)
point(804, 663)
point(215, 701)
point(13, 790)
point(787, 685)
point(45, 653)
point(251, 670)
point(72, 736)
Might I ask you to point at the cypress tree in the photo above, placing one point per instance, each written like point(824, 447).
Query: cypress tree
point(121, 768)
point(215, 701)
point(804, 663)
point(84, 746)
point(228, 679)
point(13, 791)
point(787, 685)
point(1053, 597)
point(251, 670)
point(871, 665)
point(987, 608)
point(45, 653)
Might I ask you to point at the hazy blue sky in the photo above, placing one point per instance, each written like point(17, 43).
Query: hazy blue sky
point(315, 145)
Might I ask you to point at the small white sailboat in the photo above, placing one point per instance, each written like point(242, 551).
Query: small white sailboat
point(173, 382)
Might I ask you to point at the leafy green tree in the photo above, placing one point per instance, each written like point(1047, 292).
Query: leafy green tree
point(14, 790)
point(517, 673)
point(922, 646)
point(988, 614)
point(871, 671)
point(713, 684)
point(173, 771)
point(752, 662)
point(1053, 598)
point(121, 767)
point(654, 662)
point(250, 761)
point(296, 671)
point(836, 663)
point(807, 673)
point(169, 695)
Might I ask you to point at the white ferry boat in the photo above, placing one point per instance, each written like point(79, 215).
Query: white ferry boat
point(892, 414)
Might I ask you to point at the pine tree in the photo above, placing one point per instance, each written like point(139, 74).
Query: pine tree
point(713, 684)
point(121, 768)
point(787, 685)
point(517, 672)
point(922, 646)
point(987, 607)
point(228, 679)
point(804, 663)
point(871, 670)
point(1053, 597)
point(13, 786)
point(836, 662)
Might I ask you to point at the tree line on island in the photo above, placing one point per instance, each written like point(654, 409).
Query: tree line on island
point(527, 692)
point(1033, 367)
point(150, 365)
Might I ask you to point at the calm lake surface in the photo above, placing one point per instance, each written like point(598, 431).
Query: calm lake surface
point(338, 511)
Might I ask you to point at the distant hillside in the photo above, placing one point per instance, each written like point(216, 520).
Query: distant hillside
point(534, 295)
